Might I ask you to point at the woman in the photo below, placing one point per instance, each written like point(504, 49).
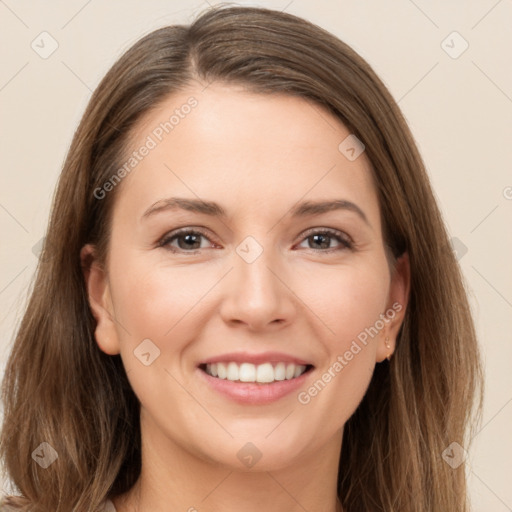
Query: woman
point(247, 297)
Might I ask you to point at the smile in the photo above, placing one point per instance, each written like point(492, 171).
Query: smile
point(265, 373)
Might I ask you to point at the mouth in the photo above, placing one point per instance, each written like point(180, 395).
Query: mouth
point(265, 373)
point(251, 379)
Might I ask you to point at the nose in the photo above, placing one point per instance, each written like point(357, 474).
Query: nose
point(257, 294)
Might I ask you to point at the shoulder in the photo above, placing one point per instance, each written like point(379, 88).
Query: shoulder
point(19, 504)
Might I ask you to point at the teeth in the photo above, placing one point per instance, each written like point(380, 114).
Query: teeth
point(221, 371)
point(262, 373)
point(280, 371)
point(247, 372)
point(233, 372)
point(265, 373)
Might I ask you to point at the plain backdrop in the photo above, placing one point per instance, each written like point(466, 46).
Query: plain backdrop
point(446, 63)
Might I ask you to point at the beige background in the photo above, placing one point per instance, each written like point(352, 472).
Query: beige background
point(459, 109)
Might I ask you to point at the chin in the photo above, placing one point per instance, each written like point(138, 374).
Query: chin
point(257, 453)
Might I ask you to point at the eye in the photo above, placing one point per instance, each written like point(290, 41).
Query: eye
point(323, 237)
point(188, 240)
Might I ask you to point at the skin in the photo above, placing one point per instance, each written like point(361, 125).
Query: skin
point(257, 156)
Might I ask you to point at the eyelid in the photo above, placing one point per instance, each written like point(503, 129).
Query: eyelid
point(331, 231)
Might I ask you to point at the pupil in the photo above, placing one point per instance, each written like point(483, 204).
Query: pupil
point(189, 240)
point(317, 237)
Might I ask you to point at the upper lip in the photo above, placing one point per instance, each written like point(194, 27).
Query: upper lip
point(263, 357)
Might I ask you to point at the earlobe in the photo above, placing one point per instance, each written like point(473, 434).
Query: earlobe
point(100, 302)
point(397, 306)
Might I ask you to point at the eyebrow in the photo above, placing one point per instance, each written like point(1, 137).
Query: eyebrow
point(304, 209)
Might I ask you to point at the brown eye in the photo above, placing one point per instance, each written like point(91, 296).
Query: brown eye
point(321, 240)
point(187, 240)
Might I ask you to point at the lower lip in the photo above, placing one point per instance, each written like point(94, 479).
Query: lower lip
point(251, 393)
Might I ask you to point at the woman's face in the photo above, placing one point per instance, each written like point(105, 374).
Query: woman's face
point(258, 277)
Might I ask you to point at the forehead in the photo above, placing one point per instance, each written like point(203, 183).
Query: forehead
point(244, 150)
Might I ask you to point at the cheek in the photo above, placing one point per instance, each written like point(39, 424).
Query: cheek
point(162, 306)
point(363, 300)
point(153, 300)
point(353, 300)
point(347, 299)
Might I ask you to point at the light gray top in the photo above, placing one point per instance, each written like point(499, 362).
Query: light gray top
point(108, 506)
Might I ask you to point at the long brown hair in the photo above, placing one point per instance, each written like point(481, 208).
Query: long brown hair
point(61, 389)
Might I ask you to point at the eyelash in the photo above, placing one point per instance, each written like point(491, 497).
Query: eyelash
point(345, 240)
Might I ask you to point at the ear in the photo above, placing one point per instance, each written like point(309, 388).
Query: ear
point(100, 301)
point(396, 307)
